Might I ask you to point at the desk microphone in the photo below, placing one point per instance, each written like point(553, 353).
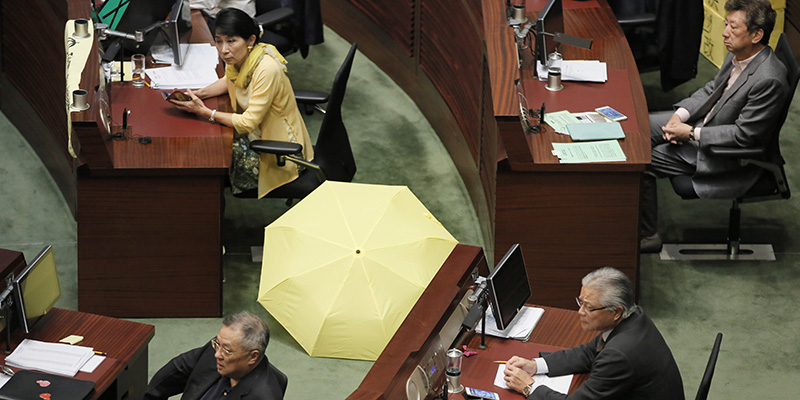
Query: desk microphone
point(478, 300)
point(479, 292)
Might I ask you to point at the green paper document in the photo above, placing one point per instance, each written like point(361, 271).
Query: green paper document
point(601, 151)
point(560, 120)
point(595, 131)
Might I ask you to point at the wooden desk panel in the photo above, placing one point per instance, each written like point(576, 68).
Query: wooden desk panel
point(569, 219)
point(123, 374)
point(558, 328)
point(150, 215)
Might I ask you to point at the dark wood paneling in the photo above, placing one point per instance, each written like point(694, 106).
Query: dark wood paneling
point(453, 60)
point(396, 17)
point(568, 225)
point(149, 246)
point(33, 82)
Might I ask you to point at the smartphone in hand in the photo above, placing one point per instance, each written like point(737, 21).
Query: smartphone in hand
point(175, 95)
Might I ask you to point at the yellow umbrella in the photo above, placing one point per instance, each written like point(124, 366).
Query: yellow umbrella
point(343, 267)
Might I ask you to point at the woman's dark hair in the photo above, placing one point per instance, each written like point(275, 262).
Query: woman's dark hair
point(235, 22)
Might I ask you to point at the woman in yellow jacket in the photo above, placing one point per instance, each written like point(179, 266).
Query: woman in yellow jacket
point(262, 99)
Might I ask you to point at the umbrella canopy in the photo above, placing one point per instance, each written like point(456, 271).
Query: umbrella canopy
point(343, 267)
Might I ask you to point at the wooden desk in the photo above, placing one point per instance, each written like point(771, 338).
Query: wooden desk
point(150, 215)
point(123, 374)
point(557, 329)
point(420, 334)
point(569, 219)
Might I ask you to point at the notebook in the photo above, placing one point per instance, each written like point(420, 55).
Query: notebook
point(595, 131)
point(31, 385)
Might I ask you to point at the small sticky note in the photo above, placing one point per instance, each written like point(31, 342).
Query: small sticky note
point(72, 339)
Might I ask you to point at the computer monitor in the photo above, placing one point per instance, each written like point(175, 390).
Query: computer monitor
point(178, 30)
point(36, 288)
point(509, 288)
point(128, 16)
point(549, 22)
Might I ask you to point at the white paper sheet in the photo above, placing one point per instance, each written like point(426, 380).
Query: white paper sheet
point(558, 383)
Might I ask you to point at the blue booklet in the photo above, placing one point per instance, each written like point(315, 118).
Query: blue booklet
point(595, 131)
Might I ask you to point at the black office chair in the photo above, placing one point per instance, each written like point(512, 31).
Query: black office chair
point(705, 383)
point(290, 28)
point(333, 157)
point(771, 186)
point(277, 24)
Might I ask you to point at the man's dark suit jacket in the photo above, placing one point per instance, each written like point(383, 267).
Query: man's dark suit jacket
point(635, 363)
point(193, 372)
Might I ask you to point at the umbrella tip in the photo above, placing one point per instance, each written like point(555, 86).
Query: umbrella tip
point(358, 251)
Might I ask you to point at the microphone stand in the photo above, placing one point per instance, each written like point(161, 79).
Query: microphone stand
point(483, 326)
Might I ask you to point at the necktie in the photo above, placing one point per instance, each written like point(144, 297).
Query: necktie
point(601, 344)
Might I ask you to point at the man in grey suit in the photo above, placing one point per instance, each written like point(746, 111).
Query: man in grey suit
point(629, 359)
point(737, 109)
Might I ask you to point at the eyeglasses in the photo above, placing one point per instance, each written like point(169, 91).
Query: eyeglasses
point(225, 351)
point(582, 305)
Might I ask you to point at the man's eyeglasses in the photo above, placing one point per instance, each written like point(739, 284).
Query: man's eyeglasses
point(225, 351)
point(582, 305)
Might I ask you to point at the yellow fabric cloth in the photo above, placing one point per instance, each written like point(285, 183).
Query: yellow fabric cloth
point(255, 56)
point(266, 109)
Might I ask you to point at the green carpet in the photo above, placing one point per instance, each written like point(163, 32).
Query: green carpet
point(753, 304)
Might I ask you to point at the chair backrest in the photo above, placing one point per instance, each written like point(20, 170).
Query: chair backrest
point(784, 53)
point(332, 151)
point(705, 384)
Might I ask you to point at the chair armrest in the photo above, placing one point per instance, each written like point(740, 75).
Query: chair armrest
point(636, 19)
point(311, 97)
point(276, 147)
point(275, 16)
point(736, 152)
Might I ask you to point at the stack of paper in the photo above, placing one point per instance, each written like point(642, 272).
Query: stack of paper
point(560, 384)
point(559, 120)
point(586, 152)
point(578, 71)
point(198, 70)
point(520, 327)
point(53, 358)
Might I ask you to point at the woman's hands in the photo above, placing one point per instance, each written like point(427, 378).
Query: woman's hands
point(194, 106)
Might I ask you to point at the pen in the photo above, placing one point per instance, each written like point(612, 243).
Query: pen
point(500, 362)
point(100, 353)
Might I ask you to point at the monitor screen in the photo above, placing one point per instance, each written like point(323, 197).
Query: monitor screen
point(178, 30)
point(550, 21)
point(128, 16)
point(37, 288)
point(509, 288)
